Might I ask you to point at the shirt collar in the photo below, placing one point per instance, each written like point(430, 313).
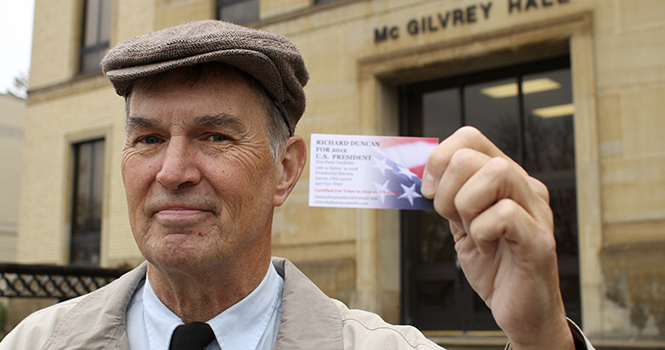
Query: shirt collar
point(239, 327)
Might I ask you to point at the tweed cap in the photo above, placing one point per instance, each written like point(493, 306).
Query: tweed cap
point(270, 58)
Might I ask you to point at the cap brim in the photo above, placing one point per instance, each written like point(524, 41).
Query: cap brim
point(256, 64)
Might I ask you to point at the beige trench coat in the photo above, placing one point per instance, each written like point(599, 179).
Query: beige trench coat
point(310, 320)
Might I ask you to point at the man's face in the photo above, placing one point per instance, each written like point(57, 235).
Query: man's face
point(198, 172)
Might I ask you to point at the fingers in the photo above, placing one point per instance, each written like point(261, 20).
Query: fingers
point(437, 163)
point(539, 188)
point(470, 175)
point(497, 179)
point(462, 165)
point(474, 181)
point(523, 234)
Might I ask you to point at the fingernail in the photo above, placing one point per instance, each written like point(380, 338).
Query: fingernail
point(427, 187)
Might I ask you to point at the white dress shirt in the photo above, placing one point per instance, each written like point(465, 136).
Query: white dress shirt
point(251, 323)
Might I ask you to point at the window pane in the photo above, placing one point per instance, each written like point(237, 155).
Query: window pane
point(441, 113)
point(90, 61)
point(479, 305)
point(105, 25)
point(549, 139)
point(87, 202)
point(83, 179)
point(90, 34)
point(98, 180)
point(570, 289)
point(436, 243)
point(240, 12)
point(96, 34)
point(493, 108)
point(436, 296)
point(564, 206)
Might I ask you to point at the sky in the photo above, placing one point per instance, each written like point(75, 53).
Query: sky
point(16, 17)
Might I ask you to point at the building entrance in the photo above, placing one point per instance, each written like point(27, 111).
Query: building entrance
point(526, 110)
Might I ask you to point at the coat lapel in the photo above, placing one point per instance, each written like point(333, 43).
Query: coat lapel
point(310, 320)
point(98, 319)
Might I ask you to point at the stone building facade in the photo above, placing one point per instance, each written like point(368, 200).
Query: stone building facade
point(579, 83)
point(12, 118)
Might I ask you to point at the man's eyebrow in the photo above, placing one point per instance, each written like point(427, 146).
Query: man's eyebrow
point(217, 121)
point(222, 120)
point(138, 122)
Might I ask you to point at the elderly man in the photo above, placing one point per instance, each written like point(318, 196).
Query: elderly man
point(209, 153)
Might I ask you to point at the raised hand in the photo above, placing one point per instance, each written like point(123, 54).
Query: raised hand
point(503, 230)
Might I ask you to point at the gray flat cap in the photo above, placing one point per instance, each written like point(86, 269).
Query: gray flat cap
point(270, 58)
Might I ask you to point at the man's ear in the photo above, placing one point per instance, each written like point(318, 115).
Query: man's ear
point(292, 162)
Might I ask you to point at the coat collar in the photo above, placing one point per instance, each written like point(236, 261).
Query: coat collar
point(102, 325)
point(310, 320)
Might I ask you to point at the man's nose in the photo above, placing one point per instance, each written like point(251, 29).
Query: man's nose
point(179, 166)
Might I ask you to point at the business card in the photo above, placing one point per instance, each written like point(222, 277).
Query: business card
point(380, 172)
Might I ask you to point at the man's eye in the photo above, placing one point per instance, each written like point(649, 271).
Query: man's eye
point(217, 137)
point(150, 139)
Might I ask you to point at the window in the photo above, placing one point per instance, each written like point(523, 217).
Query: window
point(87, 191)
point(238, 11)
point(528, 112)
point(96, 34)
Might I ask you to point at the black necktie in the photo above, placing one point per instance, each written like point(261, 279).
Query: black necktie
point(192, 336)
